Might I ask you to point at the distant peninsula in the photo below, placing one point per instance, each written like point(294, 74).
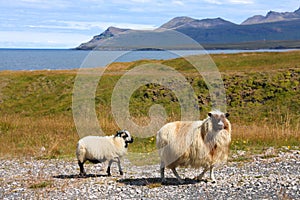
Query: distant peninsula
point(276, 30)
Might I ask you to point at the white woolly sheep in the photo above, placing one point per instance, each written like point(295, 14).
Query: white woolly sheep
point(194, 144)
point(98, 149)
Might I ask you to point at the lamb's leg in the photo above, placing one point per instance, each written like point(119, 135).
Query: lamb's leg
point(162, 172)
point(177, 176)
point(200, 176)
point(108, 168)
point(119, 165)
point(212, 176)
point(82, 171)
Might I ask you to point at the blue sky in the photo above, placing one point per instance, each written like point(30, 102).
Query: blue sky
point(66, 23)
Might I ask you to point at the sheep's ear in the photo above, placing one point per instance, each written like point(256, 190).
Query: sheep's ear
point(209, 114)
point(227, 115)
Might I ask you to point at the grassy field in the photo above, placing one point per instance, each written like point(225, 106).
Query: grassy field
point(263, 98)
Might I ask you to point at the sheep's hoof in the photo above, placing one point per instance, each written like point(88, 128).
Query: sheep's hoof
point(121, 173)
point(211, 181)
point(199, 179)
point(108, 174)
point(82, 174)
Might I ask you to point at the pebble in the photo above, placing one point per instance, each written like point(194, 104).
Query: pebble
point(277, 177)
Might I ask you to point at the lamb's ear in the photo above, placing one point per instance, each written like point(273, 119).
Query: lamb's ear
point(227, 115)
point(209, 114)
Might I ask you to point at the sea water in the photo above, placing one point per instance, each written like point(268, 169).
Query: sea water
point(55, 59)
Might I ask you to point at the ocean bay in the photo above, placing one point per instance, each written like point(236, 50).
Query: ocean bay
point(58, 59)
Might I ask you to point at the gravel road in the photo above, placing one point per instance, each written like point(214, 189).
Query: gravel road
point(260, 177)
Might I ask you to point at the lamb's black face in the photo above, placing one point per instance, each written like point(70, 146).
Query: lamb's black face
point(125, 135)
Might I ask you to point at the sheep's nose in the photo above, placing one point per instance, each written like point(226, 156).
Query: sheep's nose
point(221, 123)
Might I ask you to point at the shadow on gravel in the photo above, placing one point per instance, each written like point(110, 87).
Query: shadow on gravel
point(155, 181)
point(77, 176)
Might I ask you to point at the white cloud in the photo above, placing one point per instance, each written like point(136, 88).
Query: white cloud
point(140, 1)
point(241, 1)
point(79, 25)
point(220, 2)
point(214, 2)
point(36, 4)
point(55, 36)
point(13, 39)
point(179, 3)
point(133, 26)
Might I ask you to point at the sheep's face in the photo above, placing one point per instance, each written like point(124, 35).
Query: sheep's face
point(126, 136)
point(219, 120)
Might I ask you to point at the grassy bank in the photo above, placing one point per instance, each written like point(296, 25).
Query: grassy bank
point(263, 98)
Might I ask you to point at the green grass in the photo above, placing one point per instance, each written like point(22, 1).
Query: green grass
point(37, 93)
point(263, 98)
point(247, 62)
point(41, 184)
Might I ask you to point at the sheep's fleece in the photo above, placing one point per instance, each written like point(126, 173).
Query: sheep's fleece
point(98, 149)
point(194, 144)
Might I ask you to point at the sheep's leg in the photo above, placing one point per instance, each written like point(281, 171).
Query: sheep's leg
point(108, 168)
point(162, 172)
point(212, 176)
point(200, 176)
point(119, 165)
point(82, 171)
point(177, 176)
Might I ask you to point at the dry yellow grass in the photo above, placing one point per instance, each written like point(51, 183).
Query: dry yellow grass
point(264, 134)
point(56, 136)
point(47, 136)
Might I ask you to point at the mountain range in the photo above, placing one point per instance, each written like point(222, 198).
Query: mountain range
point(275, 30)
point(273, 17)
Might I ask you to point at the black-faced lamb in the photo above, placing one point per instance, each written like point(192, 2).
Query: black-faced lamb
point(98, 149)
point(194, 144)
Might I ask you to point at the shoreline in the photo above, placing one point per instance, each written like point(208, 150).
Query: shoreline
point(192, 52)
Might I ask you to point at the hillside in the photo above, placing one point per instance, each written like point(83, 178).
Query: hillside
point(214, 33)
point(36, 107)
point(110, 32)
